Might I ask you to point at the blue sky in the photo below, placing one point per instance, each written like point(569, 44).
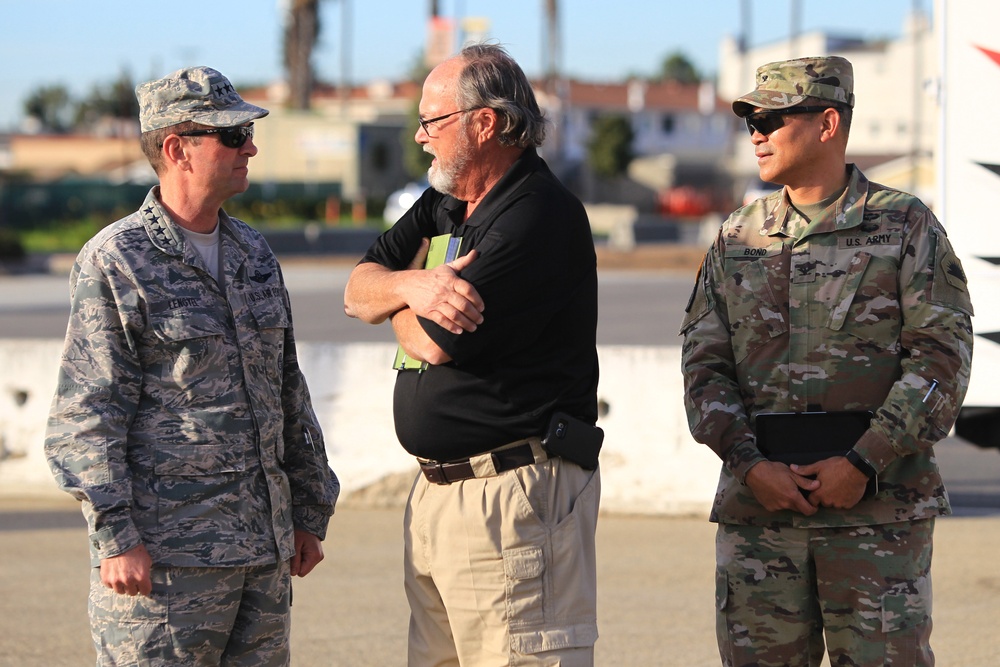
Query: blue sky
point(84, 43)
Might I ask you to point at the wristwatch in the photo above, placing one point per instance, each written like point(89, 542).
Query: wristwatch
point(860, 463)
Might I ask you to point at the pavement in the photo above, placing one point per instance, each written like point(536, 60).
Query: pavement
point(655, 574)
point(655, 589)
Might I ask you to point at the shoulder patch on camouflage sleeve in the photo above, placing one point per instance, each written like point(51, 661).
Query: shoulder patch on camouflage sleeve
point(700, 303)
point(954, 273)
point(951, 286)
point(697, 281)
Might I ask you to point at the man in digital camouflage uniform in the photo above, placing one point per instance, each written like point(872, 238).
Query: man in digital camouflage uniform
point(181, 419)
point(832, 294)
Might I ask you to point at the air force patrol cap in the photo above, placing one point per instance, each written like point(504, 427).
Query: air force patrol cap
point(786, 83)
point(198, 94)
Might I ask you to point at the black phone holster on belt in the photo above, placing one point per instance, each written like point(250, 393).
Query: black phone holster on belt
point(574, 440)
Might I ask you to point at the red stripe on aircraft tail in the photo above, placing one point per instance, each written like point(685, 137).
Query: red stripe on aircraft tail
point(992, 55)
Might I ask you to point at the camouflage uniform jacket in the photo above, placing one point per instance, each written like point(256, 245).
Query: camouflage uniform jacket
point(181, 418)
point(862, 312)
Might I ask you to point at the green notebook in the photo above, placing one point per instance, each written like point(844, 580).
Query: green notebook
point(443, 249)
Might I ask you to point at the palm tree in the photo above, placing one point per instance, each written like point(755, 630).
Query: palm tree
point(301, 34)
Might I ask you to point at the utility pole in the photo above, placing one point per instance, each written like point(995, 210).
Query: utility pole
point(918, 26)
point(345, 53)
point(795, 29)
point(554, 85)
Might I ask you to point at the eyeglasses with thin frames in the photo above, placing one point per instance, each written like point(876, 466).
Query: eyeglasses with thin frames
point(769, 121)
point(426, 122)
point(230, 137)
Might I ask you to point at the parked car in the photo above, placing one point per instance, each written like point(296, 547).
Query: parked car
point(400, 201)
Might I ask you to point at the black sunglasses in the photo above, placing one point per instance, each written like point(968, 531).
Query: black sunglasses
point(230, 137)
point(425, 122)
point(769, 121)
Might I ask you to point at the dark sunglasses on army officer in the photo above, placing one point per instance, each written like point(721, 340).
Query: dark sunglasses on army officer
point(230, 137)
point(767, 122)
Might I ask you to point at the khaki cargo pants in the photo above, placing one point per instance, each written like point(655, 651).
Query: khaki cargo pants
point(501, 570)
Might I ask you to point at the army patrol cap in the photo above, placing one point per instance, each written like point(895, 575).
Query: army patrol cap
point(786, 83)
point(198, 94)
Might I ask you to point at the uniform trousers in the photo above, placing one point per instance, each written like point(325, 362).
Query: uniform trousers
point(501, 569)
point(196, 616)
point(866, 588)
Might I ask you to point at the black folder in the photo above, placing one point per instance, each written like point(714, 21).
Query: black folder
point(806, 437)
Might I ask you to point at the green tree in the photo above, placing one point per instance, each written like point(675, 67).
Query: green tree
point(52, 106)
point(416, 161)
point(114, 100)
point(609, 150)
point(677, 67)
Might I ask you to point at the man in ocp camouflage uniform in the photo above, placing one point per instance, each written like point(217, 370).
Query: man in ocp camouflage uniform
point(832, 294)
point(182, 420)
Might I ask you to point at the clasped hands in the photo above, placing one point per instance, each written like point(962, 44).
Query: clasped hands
point(832, 482)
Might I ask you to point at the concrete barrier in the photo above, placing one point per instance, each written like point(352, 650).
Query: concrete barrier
point(649, 465)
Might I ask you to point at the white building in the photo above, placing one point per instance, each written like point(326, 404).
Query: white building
point(895, 115)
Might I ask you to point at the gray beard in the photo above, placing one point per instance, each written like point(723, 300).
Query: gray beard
point(444, 177)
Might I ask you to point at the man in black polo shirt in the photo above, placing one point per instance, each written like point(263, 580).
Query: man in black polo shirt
point(499, 529)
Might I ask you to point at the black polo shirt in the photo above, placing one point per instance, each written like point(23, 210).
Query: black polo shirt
point(535, 352)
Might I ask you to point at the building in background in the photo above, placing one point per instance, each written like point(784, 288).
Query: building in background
point(895, 126)
point(690, 152)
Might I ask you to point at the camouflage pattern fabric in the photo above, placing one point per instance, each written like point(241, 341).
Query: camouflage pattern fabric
point(196, 616)
point(868, 588)
point(181, 418)
point(863, 312)
point(789, 82)
point(198, 94)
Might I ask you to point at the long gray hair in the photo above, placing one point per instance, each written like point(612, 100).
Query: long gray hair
point(494, 80)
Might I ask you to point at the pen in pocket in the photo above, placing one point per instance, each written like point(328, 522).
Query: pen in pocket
point(930, 390)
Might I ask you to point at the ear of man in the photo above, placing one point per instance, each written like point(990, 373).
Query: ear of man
point(832, 127)
point(485, 124)
point(175, 152)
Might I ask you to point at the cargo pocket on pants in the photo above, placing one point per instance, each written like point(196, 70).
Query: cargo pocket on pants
point(530, 634)
point(525, 592)
point(904, 623)
point(550, 588)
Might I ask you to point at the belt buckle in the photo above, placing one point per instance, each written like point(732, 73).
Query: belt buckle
point(435, 473)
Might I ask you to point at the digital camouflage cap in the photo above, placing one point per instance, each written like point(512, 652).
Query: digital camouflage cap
point(786, 83)
point(198, 94)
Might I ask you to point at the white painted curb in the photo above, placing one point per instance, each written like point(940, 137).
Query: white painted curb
point(649, 464)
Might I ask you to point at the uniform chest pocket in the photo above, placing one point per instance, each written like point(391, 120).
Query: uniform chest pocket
point(270, 314)
point(756, 313)
point(272, 320)
point(867, 304)
point(190, 354)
